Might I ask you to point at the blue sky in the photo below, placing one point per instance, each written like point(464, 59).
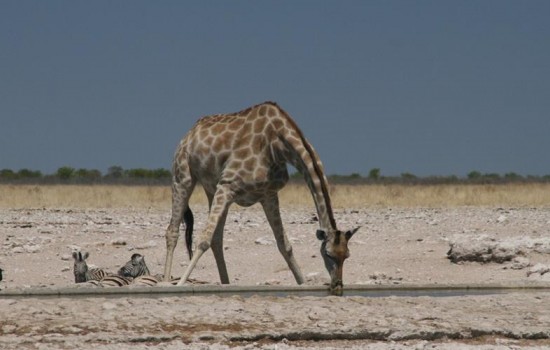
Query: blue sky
point(424, 87)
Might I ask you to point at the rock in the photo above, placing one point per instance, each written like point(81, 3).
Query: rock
point(9, 328)
point(519, 263)
point(18, 250)
point(378, 276)
point(66, 257)
point(539, 269)
point(108, 306)
point(501, 219)
point(264, 241)
point(118, 241)
point(482, 249)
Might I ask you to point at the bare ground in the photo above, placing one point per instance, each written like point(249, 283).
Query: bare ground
point(393, 246)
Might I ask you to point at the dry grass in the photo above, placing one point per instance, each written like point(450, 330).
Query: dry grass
point(343, 196)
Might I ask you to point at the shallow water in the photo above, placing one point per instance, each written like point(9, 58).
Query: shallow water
point(271, 291)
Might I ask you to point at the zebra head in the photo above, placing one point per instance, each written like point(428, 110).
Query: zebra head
point(135, 267)
point(80, 266)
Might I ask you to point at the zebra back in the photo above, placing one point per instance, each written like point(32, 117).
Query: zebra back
point(175, 280)
point(114, 281)
point(146, 280)
point(96, 274)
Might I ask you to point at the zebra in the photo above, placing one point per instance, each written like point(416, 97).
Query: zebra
point(81, 271)
point(135, 267)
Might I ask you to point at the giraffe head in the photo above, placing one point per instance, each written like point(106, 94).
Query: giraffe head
point(334, 251)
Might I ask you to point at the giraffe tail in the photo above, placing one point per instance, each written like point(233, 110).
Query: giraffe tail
point(188, 219)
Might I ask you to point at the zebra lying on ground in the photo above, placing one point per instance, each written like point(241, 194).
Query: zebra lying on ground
point(135, 272)
point(81, 271)
point(135, 267)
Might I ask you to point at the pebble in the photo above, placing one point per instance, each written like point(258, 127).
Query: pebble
point(66, 257)
point(108, 306)
point(265, 241)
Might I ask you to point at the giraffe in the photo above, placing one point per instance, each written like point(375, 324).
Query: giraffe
point(241, 158)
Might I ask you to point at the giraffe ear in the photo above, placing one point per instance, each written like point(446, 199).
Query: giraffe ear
point(350, 233)
point(321, 235)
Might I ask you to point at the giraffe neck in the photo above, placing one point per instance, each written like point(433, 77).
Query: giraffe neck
point(318, 186)
point(306, 160)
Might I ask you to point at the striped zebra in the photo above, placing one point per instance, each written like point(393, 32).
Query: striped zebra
point(135, 267)
point(81, 271)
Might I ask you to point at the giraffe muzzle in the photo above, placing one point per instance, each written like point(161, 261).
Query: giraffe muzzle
point(337, 288)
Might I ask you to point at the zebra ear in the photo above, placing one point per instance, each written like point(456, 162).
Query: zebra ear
point(85, 255)
point(75, 255)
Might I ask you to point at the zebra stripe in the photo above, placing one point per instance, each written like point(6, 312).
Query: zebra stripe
point(115, 281)
point(146, 281)
point(96, 274)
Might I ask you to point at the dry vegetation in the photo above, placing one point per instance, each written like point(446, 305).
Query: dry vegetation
point(343, 196)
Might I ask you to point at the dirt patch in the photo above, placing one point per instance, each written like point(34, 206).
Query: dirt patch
point(393, 246)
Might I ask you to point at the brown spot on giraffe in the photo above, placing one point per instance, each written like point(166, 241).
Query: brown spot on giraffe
point(262, 111)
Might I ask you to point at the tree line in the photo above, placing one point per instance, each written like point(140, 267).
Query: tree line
point(119, 175)
point(66, 174)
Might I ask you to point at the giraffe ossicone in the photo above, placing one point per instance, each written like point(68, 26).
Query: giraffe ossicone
point(242, 158)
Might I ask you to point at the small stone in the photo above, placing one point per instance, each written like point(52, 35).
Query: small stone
point(519, 263)
point(264, 241)
point(118, 241)
point(539, 269)
point(108, 306)
point(9, 328)
point(501, 219)
point(18, 250)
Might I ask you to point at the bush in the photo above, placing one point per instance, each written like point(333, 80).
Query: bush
point(65, 173)
point(374, 174)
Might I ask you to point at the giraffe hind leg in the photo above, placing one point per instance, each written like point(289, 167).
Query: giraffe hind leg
point(182, 187)
point(216, 219)
point(271, 209)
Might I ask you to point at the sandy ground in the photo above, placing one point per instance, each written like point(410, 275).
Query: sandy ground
point(394, 246)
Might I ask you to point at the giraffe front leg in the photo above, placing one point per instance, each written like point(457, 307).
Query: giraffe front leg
point(172, 235)
point(216, 220)
point(271, 209)
point(217, 249)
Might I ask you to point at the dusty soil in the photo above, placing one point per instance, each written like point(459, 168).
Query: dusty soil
point(393, 246)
